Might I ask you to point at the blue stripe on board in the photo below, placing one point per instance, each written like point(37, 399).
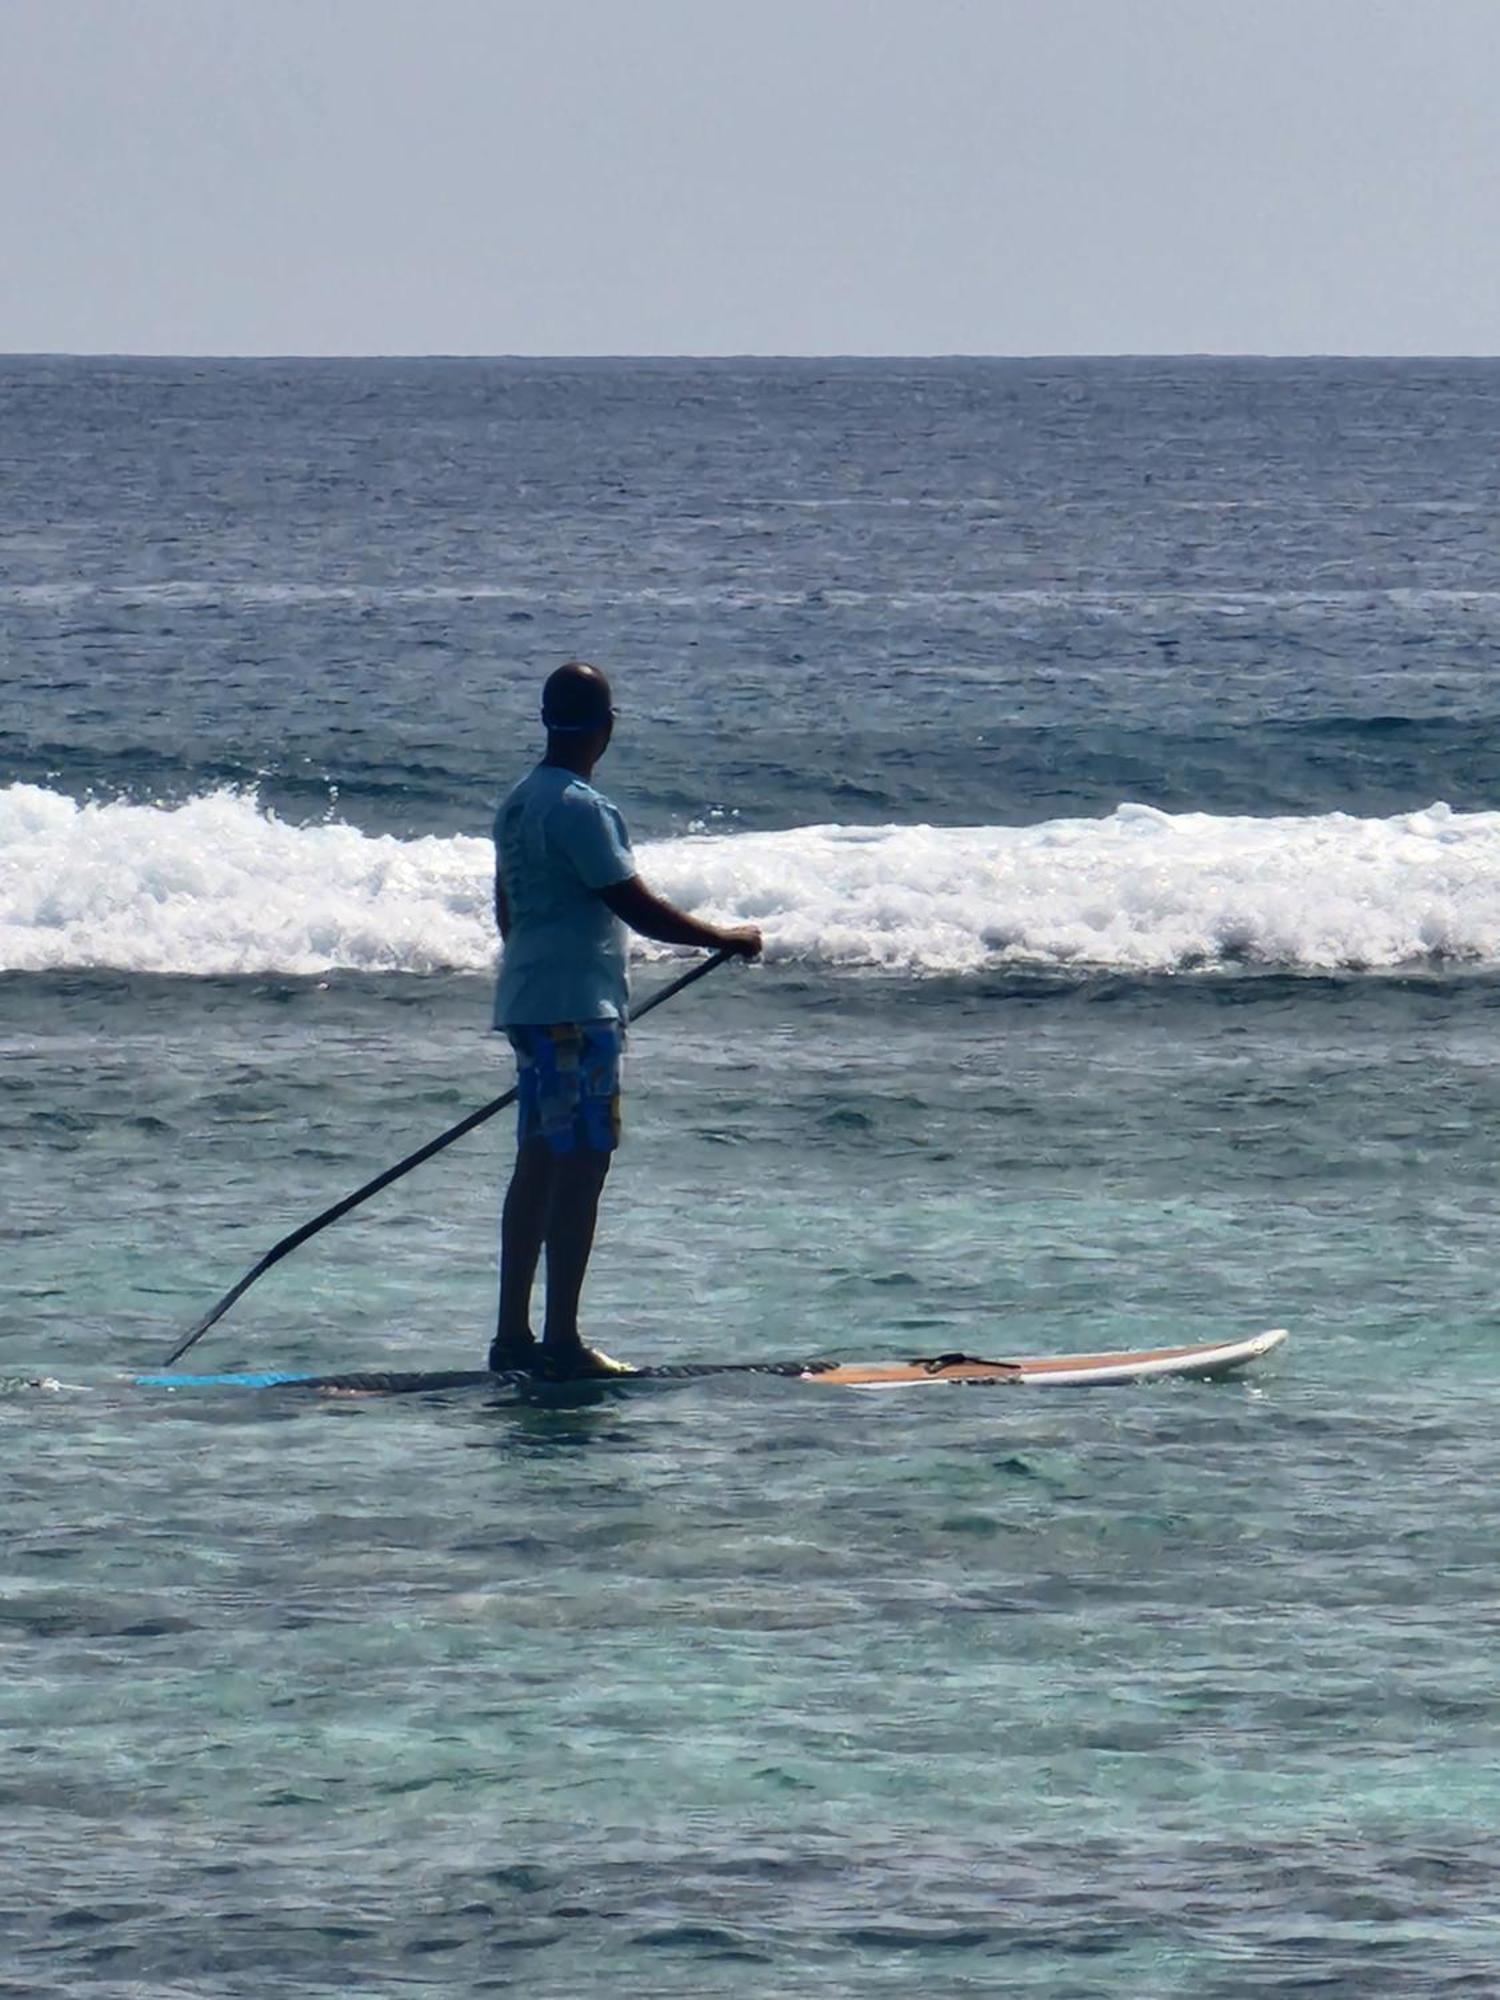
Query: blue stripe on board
point(273, 1379)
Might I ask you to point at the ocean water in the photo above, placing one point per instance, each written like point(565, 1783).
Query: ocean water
point(1108, 752)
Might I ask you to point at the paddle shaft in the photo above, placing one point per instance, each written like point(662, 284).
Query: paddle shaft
point(461, 1130)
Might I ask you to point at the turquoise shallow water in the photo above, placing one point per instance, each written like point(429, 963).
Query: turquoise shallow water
point(750, 1687)
point(747, 1687)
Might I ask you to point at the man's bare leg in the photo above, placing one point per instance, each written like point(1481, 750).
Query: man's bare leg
point(523, 1230)
point(577, 1182)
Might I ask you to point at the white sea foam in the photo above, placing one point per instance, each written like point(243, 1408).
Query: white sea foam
point(220, 886)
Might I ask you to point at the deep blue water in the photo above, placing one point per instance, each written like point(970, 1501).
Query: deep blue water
point(1006, 590)
point(1107, 749)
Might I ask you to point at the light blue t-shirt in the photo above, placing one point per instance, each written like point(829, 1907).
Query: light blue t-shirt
point(558, 842)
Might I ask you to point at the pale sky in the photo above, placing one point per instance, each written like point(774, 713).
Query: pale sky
point(750, 176)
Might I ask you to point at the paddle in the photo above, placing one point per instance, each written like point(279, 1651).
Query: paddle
point(465, 1125)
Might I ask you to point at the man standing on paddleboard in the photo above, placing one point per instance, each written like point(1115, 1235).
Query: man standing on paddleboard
point(565, 889)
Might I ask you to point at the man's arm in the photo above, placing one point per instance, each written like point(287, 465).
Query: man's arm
point(502, 908)
point(654, 917)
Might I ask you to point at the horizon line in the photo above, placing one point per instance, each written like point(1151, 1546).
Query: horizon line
point(745, 355)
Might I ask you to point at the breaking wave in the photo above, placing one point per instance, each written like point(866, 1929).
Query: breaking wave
point(220, 886)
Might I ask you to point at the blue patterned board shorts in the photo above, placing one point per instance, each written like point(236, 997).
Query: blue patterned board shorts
point(568, 1084)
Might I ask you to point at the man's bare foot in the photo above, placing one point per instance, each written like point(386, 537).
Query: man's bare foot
point(511, 1352)
point(557, 1363)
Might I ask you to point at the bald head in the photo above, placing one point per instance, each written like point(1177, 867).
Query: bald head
point(576, 700)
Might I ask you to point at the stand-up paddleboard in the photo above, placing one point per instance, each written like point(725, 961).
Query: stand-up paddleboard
point(1203, 1362)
